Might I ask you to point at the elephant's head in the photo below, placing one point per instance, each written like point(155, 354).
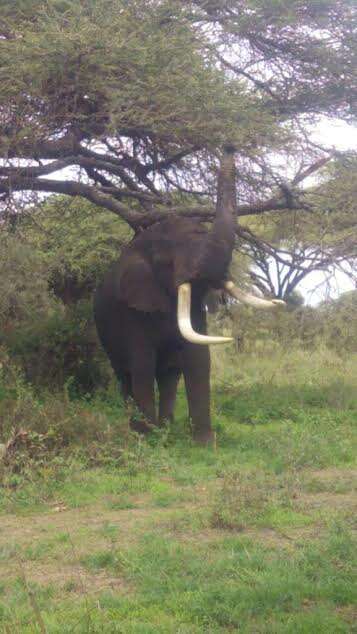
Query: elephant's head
point(178, 259)
point(218, 254)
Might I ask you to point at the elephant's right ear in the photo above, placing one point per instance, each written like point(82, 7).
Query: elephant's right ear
point(138, 287)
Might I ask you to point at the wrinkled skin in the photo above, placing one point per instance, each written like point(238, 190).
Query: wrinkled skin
point(136, 309)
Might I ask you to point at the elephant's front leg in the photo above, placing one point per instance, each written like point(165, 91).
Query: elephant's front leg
point(167, 380)
point(142, 382)
point(196, 367)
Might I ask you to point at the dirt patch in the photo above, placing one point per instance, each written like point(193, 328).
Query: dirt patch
point(25, 529)
point(57, 561)
point(332, 489)
point(69, 578)
point(349, 613)
point(48, 547)
point(269, 537)
point(337, 501)
point(334, 473)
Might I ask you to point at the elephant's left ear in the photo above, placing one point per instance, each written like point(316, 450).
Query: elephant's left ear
point(138, 287)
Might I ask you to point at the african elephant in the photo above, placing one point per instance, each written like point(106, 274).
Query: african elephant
point(150, 313)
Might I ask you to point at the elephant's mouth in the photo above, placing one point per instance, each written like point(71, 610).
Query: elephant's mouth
point(184, 311)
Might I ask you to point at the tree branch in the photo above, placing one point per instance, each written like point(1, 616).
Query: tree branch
point(108, 194)
point(72, 188)
point(32, 171)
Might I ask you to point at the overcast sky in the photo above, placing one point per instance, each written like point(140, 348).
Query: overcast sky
point(341, 135)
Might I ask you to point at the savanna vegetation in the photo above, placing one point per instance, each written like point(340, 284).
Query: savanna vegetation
point(116, 111)
point(102, 530)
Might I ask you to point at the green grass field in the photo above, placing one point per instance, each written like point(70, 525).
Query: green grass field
point(115, 533)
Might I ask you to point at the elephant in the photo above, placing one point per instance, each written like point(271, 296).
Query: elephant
point(150, 309)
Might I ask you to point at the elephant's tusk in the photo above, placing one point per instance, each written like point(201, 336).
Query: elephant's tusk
point(251, 300)
point(184, 319)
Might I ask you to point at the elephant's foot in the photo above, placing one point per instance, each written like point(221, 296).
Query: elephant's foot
point(205, 437)
point(140, 426)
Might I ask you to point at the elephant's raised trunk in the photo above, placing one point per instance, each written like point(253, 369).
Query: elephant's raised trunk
point(223, 230)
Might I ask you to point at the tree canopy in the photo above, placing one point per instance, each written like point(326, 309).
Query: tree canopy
point(127, 104)
point(75, 241)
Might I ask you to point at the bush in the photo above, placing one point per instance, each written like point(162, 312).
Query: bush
point(51, 260)
point(60, 349)
point(35, 430)
point(24, 294)
point(332, 324)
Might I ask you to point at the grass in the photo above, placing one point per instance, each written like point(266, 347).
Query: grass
point(102, 531)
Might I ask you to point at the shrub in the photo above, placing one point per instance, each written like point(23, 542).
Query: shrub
point(60, 349)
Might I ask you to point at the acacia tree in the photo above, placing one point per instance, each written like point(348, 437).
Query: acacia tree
point(126, 104)
point(287, 248)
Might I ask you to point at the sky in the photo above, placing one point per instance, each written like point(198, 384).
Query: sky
point(315, 289)
point(335, 133)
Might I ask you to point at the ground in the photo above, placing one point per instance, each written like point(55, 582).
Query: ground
point(255, 535)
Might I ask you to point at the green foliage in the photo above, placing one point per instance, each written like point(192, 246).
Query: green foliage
point(125, 91)
point(128, 102)
point(335, 198)
point(62, 349)
point(147, 73)
point(332, 324)
point(63, 250)
point(76, 242)
point(23, 285)
point(339, 322)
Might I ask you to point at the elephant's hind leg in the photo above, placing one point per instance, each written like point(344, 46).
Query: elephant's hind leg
point(167, 383)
